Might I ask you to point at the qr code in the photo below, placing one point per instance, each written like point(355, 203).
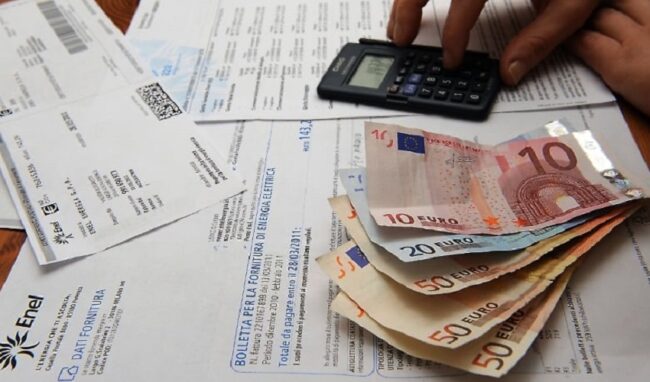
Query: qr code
point(158, 101)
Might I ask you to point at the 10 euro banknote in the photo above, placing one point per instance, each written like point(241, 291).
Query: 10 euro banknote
point(438, 182)
point(410, 244)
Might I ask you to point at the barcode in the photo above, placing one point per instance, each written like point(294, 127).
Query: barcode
point(62, 28)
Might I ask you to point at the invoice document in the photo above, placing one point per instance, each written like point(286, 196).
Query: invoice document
point(263, 59)
point(258, 59)
point(233, 293)
point(94, 150)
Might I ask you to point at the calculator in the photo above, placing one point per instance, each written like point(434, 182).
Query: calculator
point(412, 78)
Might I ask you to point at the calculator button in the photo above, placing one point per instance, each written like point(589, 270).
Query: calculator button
point(414, 78)
point(462, 85)
point(450, 73)
point(426, 92)
point(481, 75)
point(441, 94)
point(446, 83)
point(393, 89)
point(407, 63)
point(403, 71)
point(478, 87)
point(399, 79)
point(474, 98)
point(465, 74)
point(425, 58)
point(411, 55)
point(420, 68)
point(431, 80)
point(480, 64)
point(457, 96)
point(409, 89)
point(436, 69)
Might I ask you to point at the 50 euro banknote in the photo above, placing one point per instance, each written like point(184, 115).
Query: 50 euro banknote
point(451, 274)
point(454, 319)
point(492, 354)
point(438, 182)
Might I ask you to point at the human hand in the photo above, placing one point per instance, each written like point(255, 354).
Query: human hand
point(555, 22)
point(617, 46)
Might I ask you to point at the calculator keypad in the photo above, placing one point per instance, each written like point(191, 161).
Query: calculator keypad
point(415, 78)
point(393, 89)
point(457, 96)
point(409, 89)
point(431, 80)
point(411, 79)
point(474, 98)
point(426, 92)
point(441, 94)
point(422, 75)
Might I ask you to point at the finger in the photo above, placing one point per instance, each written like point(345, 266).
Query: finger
point(455, 35)
point(408, 15)
point(598, 51)
point(553, 25)
point(638, 10)
point(539, 5)
point(614, 24)
point(391, 20)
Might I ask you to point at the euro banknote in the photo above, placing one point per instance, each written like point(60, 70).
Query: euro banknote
point(450, 274)
point(438, 182)
point(450, 320)
point(412, 244)
point(492, 354)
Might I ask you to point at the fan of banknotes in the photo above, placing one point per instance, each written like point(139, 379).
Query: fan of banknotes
point(460, 251)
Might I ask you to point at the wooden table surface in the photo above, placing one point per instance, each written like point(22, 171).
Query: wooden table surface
point(121, 12)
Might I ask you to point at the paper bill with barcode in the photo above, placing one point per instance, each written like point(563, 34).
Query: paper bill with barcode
point(263, 59)
point(94, 151)
point(218, 313)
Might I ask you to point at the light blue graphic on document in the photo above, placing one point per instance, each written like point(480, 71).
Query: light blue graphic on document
point(193, 76)
point(177, 66)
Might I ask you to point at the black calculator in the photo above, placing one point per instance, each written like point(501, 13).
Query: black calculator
point(379, 73)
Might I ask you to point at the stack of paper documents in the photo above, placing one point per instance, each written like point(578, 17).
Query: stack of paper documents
point(231, 289)
point(94, 150)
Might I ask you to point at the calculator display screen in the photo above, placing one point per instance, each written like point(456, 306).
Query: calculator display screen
point(371, 71)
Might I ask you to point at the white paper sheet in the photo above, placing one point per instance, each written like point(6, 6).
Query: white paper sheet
point(256, 308)
point(138, 313)
point(98, 155)
point(259, 59)
point(57, 52)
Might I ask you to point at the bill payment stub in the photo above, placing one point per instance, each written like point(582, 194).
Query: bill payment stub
point(94, 150)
